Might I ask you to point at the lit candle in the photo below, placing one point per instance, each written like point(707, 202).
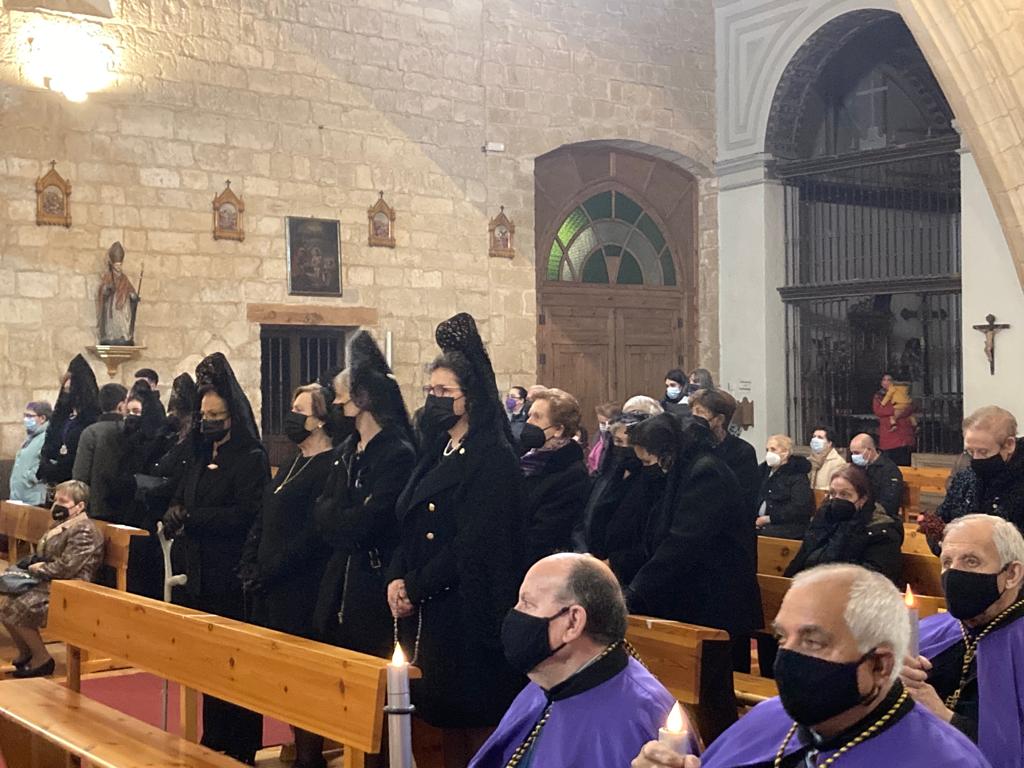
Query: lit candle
point(915, 626)
point(675, 735)
point(399, 711)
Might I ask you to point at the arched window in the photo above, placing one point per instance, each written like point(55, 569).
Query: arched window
point(610, 239)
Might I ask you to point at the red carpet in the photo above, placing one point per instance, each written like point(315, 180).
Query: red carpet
point(138, 695)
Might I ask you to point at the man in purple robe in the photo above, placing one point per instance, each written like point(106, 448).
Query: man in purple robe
point(588, 704)
point(971, 669)
point(842, 630)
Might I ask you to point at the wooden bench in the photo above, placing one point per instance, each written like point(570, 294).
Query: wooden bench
point(317, 687)
point(24, 525)
point(694, 663)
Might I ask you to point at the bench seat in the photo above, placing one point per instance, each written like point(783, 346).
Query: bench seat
point(751, 689)
point(72, 723)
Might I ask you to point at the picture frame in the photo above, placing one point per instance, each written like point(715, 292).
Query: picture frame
point(228, 209)
point(381, 224)
point(313, 250)
point(502, 236)
point(53, 199)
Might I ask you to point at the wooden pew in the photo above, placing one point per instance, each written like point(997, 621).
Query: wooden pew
point(914, 542)
point(694, 663)
point(24, 525)
point(922, 573)
point(774, 555)
point(317, 687)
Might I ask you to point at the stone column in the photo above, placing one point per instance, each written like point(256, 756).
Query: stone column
point(752, 249)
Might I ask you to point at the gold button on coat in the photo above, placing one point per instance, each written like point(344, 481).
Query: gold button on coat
point(430, 535)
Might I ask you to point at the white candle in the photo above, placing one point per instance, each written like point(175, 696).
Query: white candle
point(915, 623)
point(675, 735)
point(399, 711)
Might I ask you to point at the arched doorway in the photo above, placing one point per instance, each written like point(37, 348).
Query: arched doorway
point(616, 249)
point(866, 150)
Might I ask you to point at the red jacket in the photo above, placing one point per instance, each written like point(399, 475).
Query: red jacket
point(887, 437)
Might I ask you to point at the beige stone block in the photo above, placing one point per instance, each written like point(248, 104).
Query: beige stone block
point(146, 120)
point(360, 276)
point(159, 177)
point(37, 285)
point(172, 242)
point(200, 128)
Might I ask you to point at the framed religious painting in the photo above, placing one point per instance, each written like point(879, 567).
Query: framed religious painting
point(227, 215)
point(502, 232)
point(53, 199)
point(381, 221)
point(314, 256)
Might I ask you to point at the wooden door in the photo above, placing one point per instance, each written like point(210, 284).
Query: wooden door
point(604, 349)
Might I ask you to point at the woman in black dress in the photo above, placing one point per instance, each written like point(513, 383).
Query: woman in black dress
point(78, 406)
point(284, 557)
point(213, 510)
point(457, 570)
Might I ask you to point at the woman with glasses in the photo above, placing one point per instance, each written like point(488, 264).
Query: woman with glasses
point(213, 509)
point(457, 570)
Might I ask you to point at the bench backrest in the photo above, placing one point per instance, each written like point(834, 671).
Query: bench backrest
point(672, 651)
point(774, 588)
point(317, 687)
point(774, 555)
point(26, 524)
point(922, 573)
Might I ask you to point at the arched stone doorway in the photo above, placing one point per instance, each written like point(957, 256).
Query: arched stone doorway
point(863, 143)
point(616, 242)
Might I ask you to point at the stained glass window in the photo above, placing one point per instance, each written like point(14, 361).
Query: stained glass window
point(610, 239)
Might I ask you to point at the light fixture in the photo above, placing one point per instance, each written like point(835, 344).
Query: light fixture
point(68, 57)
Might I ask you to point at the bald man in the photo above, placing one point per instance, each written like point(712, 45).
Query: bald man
point(982, 573)
point(885, 477)
point(843, 632)
point(588, 703)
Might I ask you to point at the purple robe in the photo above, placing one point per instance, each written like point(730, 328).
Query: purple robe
point(1000, 660)
point(603, 727)
point(917, 740)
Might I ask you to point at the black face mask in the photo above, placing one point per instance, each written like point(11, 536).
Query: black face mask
point(839, 510)
point(988, 468)
point(814, 690)
point(60, 513)
point(339, 426)
point(525, 639)
point(623, 453)
point(213, 430)
point(438, 415)
point(532, 437)
point(295, 427)
point(132, 422)
point(970, 594)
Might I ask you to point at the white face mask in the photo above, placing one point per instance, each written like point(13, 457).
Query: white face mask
point(818, 444)
point(772, 459)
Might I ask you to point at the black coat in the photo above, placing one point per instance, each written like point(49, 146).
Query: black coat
point(98, 462)
point(701, 549)
point(1002, 495)
point(786, 494)
point(285, 556)
point(871, 538)
point(886, 485)
point(552, 502)
point(460, 557)
point(742, 460)
point(355, 516)
point(222, 505)
point(57, 458)
point(606, 492)
point(680, 410)
point(642, 493)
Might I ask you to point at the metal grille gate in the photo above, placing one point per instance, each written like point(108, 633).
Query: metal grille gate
point(873, 285)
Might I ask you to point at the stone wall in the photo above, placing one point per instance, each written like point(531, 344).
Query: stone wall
point(309, 109)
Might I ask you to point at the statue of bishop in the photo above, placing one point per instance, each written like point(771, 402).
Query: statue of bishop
point(116, 302)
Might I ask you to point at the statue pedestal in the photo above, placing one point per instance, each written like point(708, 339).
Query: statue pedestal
point(113, 355)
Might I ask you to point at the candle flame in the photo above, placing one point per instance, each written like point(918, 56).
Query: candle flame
point(398, 659)
point(676, 719)
point(908, 598)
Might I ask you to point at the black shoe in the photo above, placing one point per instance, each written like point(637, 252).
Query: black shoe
point(43, 670)
point(21, 661)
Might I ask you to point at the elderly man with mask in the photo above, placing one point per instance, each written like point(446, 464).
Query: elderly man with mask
point(842, 632)
point(885, 477)
point(588, 703)
point(971, 669)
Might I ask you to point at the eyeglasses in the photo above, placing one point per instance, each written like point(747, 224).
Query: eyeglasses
point(440, 391)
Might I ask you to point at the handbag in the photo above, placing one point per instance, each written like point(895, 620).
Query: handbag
point(15, 581)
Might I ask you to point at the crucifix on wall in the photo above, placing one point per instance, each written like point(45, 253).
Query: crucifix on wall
point(990, 329)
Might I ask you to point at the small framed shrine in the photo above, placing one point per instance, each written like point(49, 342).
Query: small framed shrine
point(53, 199)
point(227, 215)
point(381, 221)
point(503, 233)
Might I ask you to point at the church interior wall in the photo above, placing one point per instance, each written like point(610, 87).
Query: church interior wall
point(310, 109)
